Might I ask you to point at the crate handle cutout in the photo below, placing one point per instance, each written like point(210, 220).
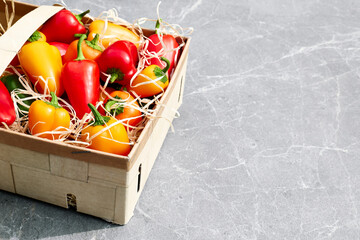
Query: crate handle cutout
point(139, 178)
point(71, 201)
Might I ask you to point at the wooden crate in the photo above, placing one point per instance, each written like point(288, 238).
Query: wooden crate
point(92, 182)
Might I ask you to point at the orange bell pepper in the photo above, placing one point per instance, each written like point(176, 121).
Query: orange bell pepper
point(42, 64)
point(112, 34)
point(48, 116)
point(124, 107)
point(90, 49)
point(151, 81)
point(113, 140)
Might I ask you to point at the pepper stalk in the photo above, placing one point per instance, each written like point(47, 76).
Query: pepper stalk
point(54, 101)
point(161, 73)
point(99, 120)
point(80, 53)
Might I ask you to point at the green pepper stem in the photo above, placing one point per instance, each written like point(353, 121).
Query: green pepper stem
point(94, 43)
point(99, 120)
point(167, 64)
point(81, 15)
point(80, 53)
point(54, 100)
point(109, 104)
point(96, 39)
point(114, 76)
point(34, 37)
point(120, 107)
point(157, 25)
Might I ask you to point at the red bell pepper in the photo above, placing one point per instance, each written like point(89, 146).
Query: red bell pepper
point(62, 48)
point(119, 60)
point(81, 79)
point(63, 26)
point(167, 51)
point(7, 109)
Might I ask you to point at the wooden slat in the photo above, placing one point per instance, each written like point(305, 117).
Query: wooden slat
point(116, 176)
point(24, 157)
point(6, 179)
point(69, 168)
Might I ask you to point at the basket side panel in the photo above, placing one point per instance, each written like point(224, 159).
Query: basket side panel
point(96, 200)
point(127, 197)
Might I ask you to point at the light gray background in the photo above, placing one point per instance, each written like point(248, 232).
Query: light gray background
point(267, 145)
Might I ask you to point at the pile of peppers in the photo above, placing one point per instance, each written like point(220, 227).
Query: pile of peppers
point(66, 59)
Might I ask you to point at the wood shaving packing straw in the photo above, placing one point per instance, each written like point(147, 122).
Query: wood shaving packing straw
point(63, 132)
point(9, 16)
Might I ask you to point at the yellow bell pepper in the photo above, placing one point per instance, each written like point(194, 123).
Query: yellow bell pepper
point(112, 34)
point(48, 116)
point(42, 64)
point(113, 140)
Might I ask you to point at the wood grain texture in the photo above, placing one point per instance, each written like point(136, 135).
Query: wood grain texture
point(21, 156)
point(6, 179)
point(93, 199)
point(69, 168)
